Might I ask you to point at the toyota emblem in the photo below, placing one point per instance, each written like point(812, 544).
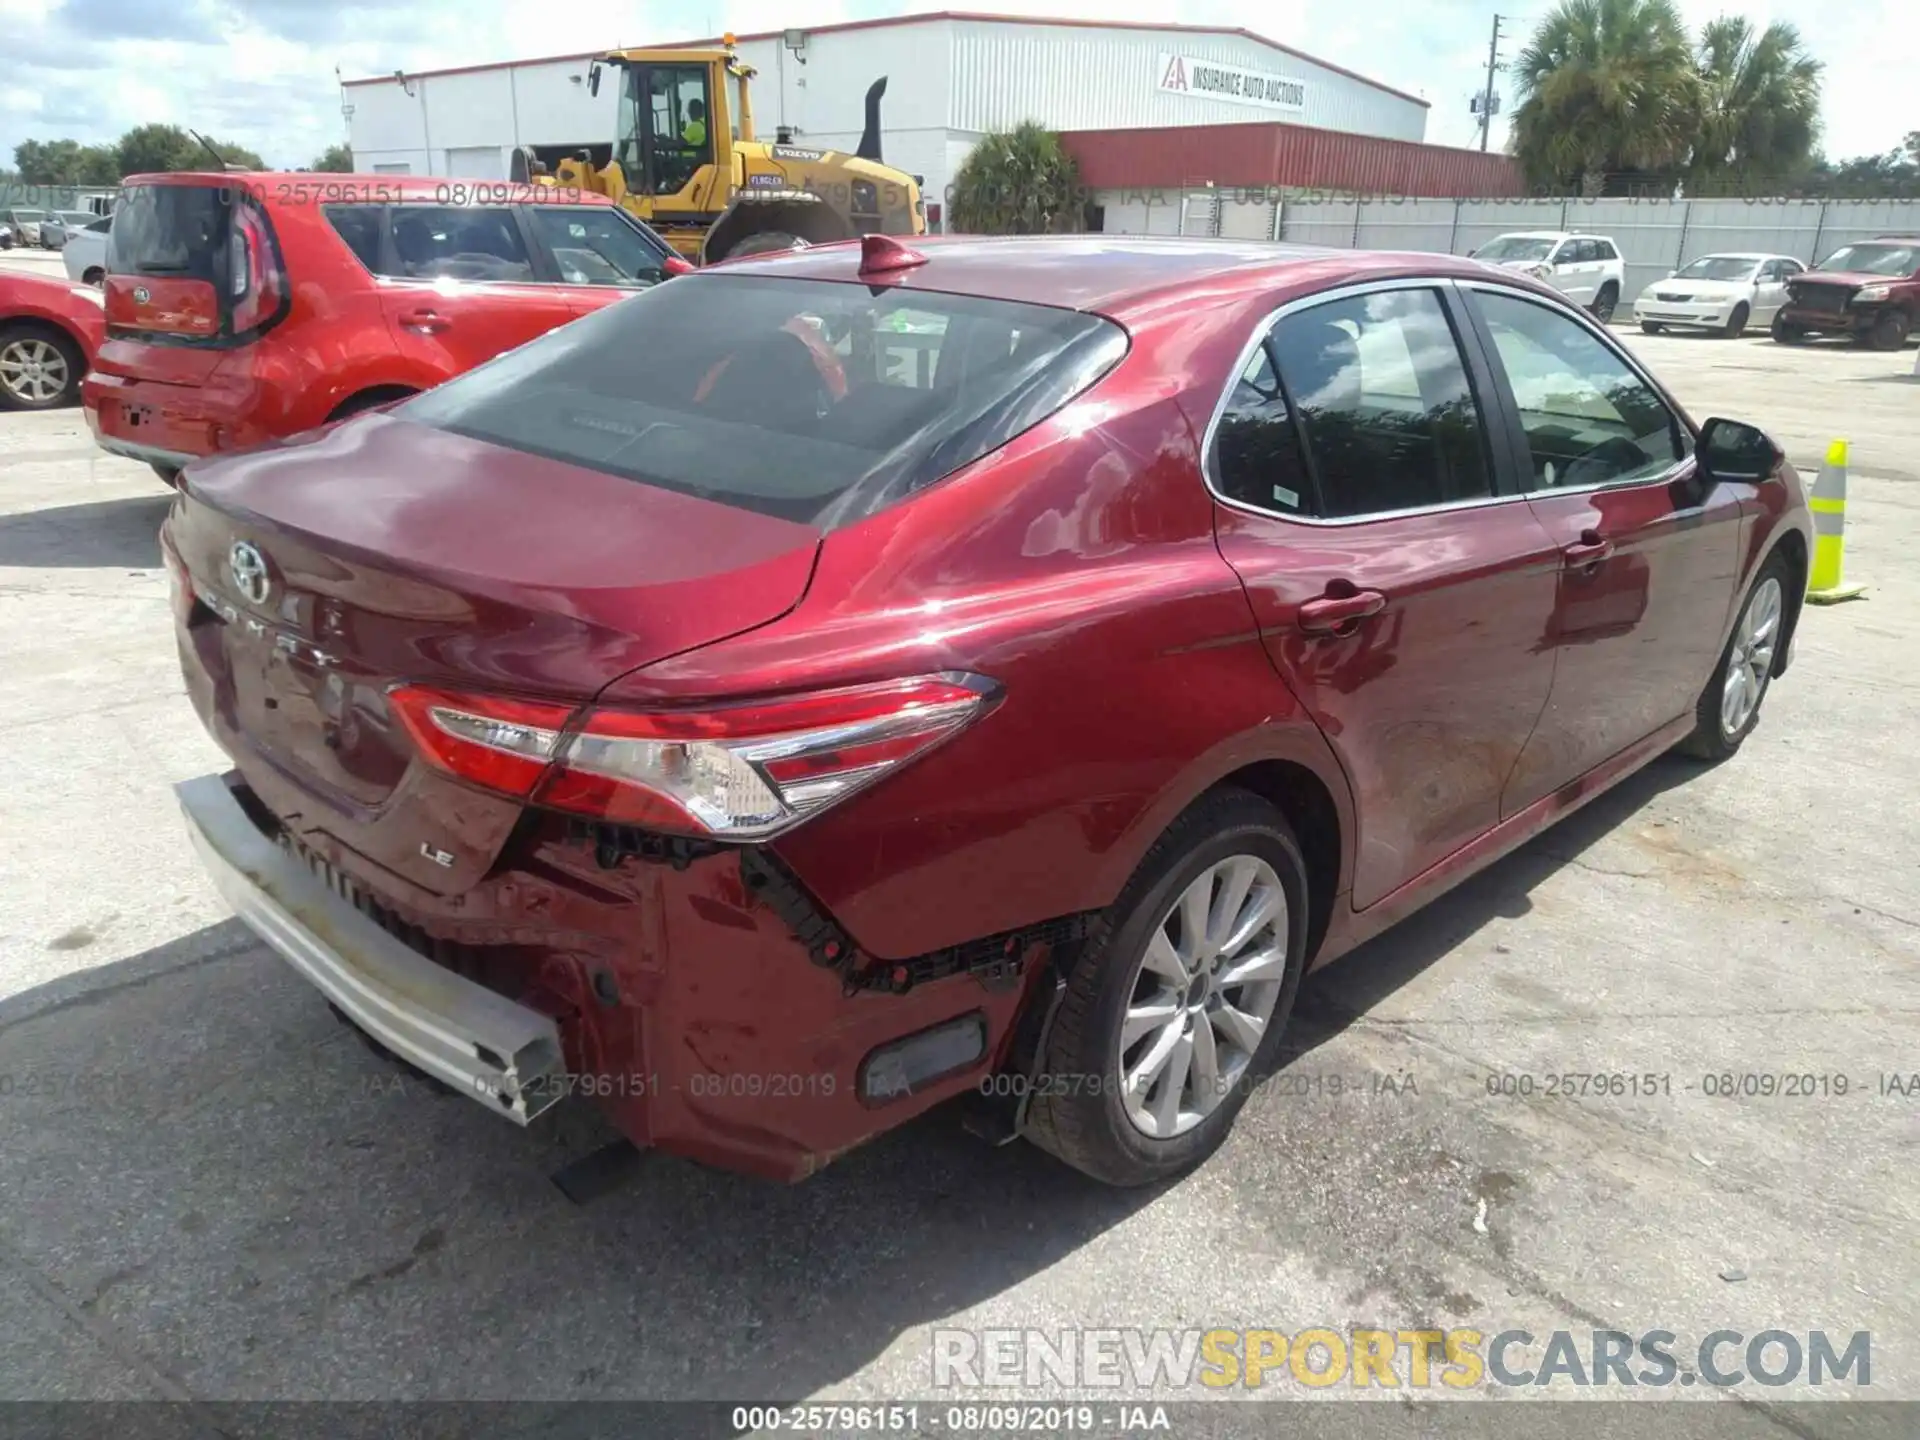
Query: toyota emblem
point(141, 295)
point(249, 569)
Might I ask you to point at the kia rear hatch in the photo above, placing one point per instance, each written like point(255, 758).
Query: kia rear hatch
point(192, 268)
point(653, 478)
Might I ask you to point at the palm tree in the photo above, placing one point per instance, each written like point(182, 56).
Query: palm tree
point(1759, 101)
point(1605, 86)
point(1018, 182)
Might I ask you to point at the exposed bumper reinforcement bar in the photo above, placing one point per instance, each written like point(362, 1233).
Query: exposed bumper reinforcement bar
point(151, 454)
point(503, 1054)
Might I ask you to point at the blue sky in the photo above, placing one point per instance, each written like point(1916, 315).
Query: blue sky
point(262, 71)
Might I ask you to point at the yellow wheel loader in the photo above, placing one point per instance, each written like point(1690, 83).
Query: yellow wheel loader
point(686, 161)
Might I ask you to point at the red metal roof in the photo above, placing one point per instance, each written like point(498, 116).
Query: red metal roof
point(1266, 153)
point(977, 15)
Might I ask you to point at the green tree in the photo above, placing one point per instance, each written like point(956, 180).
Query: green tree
point(153, 149)
point(1604, 86)
point(1017, 182)
point(334, 160)
point(1759, 102)
point(66, 162)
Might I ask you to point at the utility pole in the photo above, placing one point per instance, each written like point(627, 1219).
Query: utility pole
point(1487, 98)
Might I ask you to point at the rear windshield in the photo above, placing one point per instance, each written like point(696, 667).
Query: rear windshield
point(811, 400)
point(171, 230)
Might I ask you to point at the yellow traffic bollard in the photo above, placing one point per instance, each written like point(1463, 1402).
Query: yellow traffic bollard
point(1829, 506)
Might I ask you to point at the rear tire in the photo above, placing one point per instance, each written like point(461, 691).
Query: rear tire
point(764, 242)
point(94, 276)
point(40, 367)
point(1605, 301)
point(1736, 322)
point(367, 400)
point(1785, 334)
point(1082, 1114)
point(1649, 327)
point(1729, 707)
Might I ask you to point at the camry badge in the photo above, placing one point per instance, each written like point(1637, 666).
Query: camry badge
point(249, 569)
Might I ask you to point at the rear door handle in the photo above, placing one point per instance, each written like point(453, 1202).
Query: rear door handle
point(425, 322)
point(1592, 549)
point(1326, 615)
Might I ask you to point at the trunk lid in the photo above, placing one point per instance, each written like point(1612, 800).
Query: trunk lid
point(381, 551)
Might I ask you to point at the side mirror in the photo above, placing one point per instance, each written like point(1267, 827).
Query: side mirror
point(1738, 453)
point(676, 265)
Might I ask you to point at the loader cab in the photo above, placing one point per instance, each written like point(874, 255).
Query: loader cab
point(674, 137)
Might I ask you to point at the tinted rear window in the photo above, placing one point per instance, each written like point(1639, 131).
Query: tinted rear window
point(360, 227)
point(811, 400)
point(171, 230)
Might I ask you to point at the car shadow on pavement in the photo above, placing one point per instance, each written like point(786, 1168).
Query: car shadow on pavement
point(98, 534)
point(1334, 998)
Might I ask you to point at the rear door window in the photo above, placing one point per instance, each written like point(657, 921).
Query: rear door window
point(597, 245)
point(360, 227)
point(812, 400)
point(482, 242)
point(1381, 400)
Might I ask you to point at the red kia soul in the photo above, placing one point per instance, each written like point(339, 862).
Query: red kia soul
point(999, 669)
point(245, 307)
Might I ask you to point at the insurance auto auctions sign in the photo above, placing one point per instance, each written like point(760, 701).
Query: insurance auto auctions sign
point(1210, 80)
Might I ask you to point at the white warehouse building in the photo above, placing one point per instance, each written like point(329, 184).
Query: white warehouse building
point(952, 77)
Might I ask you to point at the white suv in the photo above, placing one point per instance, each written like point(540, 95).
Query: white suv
point(1586, 269)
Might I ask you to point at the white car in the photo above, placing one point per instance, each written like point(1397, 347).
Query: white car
point(1718, 292)
point(1587, 269)
point(25, 225)
point(85, 252)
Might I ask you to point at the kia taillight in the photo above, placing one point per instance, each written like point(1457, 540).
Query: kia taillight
point(254, 279)
point(738, 772)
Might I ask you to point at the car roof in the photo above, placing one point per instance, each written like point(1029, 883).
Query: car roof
point(303, 187)
point(1117, 275)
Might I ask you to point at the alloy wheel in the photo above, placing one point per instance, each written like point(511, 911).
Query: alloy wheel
point(1750, 657)
point(33, 370)
point(1203, 996)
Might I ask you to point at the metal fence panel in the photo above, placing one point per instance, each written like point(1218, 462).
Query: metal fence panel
point(1655, 236)
point(1774, 227)
point(1399, 224)
point(1851, 220)
point(1320, 222)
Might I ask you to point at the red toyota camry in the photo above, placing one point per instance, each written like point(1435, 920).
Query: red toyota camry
point(835, 683)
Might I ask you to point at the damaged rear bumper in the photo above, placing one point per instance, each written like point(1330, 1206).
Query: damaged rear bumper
point(503, 1054)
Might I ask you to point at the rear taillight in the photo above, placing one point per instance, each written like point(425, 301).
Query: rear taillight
point(742, 772)
point(253, 271)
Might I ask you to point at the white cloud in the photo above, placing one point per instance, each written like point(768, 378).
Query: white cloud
point(262, 72)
